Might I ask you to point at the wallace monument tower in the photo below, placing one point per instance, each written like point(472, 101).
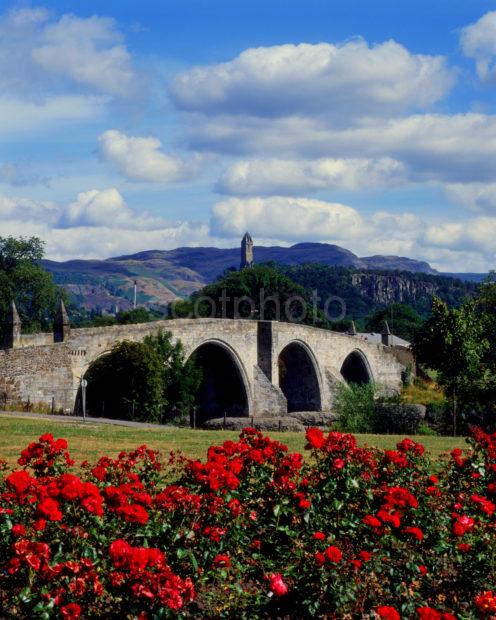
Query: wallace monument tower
point(246, 251)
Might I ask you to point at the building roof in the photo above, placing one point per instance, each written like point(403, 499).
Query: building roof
point(375, 337)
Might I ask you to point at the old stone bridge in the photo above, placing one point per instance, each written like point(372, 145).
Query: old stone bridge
point(251, 368)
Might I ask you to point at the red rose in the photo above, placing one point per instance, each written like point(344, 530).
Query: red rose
point(223, 560)
point(19, 481)
point(319, 536)
point(71, 611)
point(18, 530)
point(416, 532)
point(320, 558)
point(49, 509)
point(486, 602)
point(463, 525)
point(333, 554)
point(372, 521)
point(277, 585)
point(387, 613)
point(315, 438)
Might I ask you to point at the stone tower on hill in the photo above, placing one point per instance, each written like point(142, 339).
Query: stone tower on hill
point(246, 251)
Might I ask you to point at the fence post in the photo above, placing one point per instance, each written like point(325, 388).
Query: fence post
point(225, 415)
point(279, 424)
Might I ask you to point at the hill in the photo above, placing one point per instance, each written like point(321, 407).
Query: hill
point(165, 275)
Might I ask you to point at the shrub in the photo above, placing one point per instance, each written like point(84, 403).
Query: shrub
point(355, 406)
point(252, 532)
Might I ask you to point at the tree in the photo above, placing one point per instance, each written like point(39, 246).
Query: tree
point(144, 381)
point(180, 379)
point(125, 383)
point(260, 292)
point(454, 343)
point(402, 318)
point(23, 280)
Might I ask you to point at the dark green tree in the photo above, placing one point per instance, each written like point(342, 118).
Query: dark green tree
point(146, 381)
point(24, 281)
point(180, 378)
point(455, 343)
point(402, 318)
point(258, 292)
point(126, 383)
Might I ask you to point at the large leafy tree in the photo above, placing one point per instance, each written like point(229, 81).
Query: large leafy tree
point(148, 381)
point(24, 281)
point(456, 344)
point(258, 292)
point(180, 378)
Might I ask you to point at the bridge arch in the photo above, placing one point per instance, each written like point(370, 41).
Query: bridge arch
point(225, 387)
point(356, 368)
point(299, 377)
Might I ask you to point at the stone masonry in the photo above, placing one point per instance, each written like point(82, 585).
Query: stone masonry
point(37, 369)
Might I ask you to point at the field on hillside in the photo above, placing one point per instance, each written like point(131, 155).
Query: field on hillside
point(90, 441)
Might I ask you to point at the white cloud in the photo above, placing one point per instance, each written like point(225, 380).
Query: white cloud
point(285, 218)
point(89, 51)
point(431, 147)
point(457, 245)
point(19, 116)
point(477, 234)
point(141, 159)
point(478, 41)
point(30, 211)
point(347, 80)
point(476, 196)
point(43, 56)
point(291, 176)
point(98, 224)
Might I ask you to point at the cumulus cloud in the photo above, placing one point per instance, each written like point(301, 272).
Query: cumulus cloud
point(141, 159)
point(477, 234)
point(351, 79)
point(38, 53)
point(98, 224)
point(478, 41)
point(293, 176)
point(89, 51)
point(431, 147)
point(284, 218)
point(468, 244)
point(476, 196)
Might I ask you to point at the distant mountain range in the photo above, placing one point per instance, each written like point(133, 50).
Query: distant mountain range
point(165, 275)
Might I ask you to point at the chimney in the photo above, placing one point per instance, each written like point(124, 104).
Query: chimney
point(386, 335)
point(12, 328)
point(61, 325)
point(352, 329)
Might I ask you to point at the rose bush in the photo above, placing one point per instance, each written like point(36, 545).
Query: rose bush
point(252, 532)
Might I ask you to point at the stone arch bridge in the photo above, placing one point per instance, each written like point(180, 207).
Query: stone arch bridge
point(251, 368)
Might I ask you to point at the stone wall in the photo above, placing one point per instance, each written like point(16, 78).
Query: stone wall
point(40, 371)
point(37, 375)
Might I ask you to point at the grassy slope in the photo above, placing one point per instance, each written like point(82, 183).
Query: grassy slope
point(91, 441)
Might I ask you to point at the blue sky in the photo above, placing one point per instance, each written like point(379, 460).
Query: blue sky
point(127, 126)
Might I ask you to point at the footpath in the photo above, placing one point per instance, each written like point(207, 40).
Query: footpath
point(76, 419)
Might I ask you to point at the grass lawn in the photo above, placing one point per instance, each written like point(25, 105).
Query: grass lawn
point(90, 441)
